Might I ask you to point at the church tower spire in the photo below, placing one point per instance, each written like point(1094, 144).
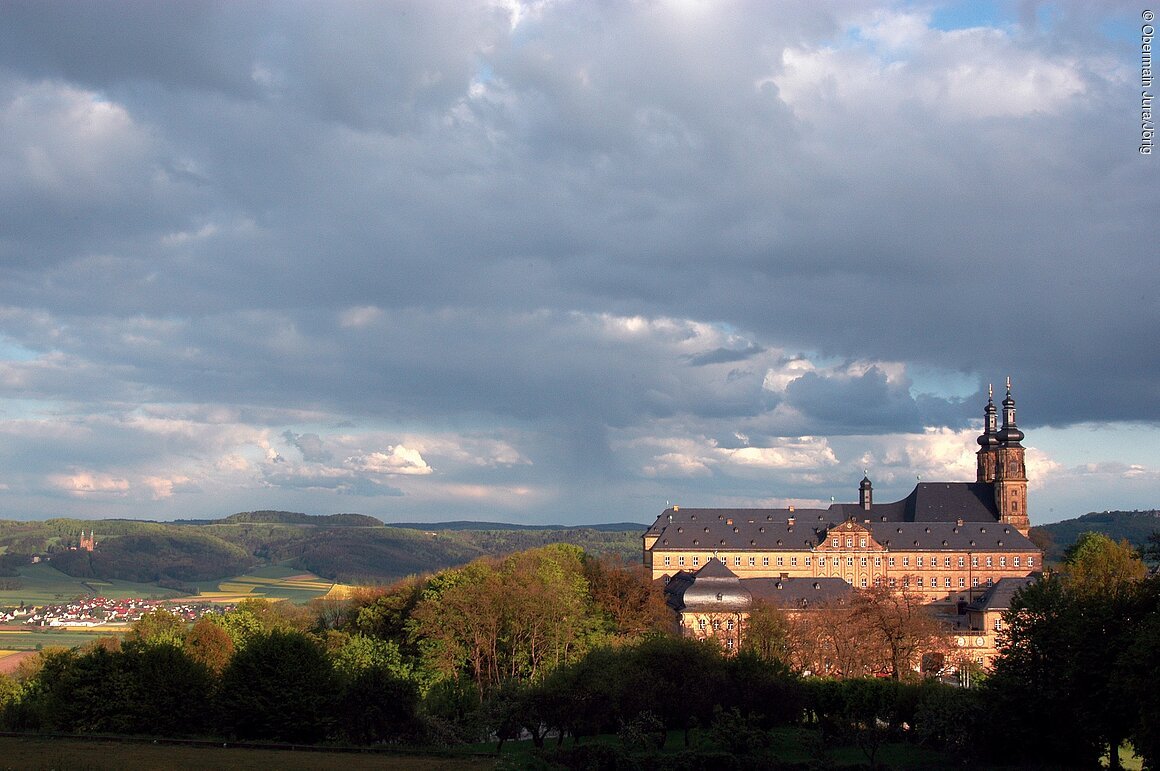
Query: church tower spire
point(1010, 470)
point(988, 441)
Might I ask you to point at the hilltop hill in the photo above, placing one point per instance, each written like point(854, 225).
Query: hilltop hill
point(295, 518)
point(1135, 526)
point(614, 527)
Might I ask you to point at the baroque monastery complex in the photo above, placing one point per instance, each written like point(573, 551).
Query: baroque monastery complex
point(962, 545)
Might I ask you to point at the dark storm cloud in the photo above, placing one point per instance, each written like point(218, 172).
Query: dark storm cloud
point(825, 402)
point(603, 228)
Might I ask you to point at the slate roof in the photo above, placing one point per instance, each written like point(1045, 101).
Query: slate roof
point(928, 518)
point(732, 530)
point(932, 502)
point(950, 536)
point(798, 592)
point(713, 587)
point(999, 596)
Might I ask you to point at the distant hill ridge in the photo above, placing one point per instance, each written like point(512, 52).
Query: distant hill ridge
point(297, 518)
point(613, 527)
point(1134, 526)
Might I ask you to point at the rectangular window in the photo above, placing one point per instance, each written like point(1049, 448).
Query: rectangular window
point(998, 624)
point(821, 562)
point(919, 561)
point(892, 581)
point(681, 560)
point(668, 561)
point(974, 582)
point(864, 561)
point(1030, 562)
point(765, 561)
point(849, 542)
point(863, 582)
point(1017, 560)
point(990, 582)
point(990, 561)
point(862, 542)
point(834, 543)
point(793, 561)
point(849, 562)
point(946, 562)
point(962, 582)
point(752, 562)
point(1002, 562)
point(890, 561)
point(947, 582)
point(810, 560)
point(878, 562)
point(906, 562)
point(737, 561)
point(920, 582)
point(696, 560)
point(974, 562)
point(780, 561)
point(962, 561)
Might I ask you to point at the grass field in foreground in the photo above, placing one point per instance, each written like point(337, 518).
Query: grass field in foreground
point(17, 640)
point(64, 754)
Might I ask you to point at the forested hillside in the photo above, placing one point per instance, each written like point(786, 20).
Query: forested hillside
point(1133, 526)
point(350, 548)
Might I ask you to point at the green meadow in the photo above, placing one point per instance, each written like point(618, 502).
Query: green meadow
point(42, 584)
point(270, 582)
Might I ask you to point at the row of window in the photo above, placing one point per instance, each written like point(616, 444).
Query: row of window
point(716, 624)
point(989, 561)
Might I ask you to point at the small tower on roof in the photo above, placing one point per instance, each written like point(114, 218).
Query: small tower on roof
point(1010, 470)
point(866, 492)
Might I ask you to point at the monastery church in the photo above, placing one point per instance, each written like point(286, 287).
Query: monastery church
point(952, 542)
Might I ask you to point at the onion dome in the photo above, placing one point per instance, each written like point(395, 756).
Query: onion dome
point(1010, 434)
point(988, 438)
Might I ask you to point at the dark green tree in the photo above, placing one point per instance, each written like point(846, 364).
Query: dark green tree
point(1055, 677)
point(280, 686)
point(375, 705)
point(1138, 678)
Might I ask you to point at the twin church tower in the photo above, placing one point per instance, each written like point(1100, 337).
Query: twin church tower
point(1001, 462)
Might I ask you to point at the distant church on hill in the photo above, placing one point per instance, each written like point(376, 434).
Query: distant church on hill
point(949, 541)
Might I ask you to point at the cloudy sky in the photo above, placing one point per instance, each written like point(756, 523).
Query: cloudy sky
point(568, 261)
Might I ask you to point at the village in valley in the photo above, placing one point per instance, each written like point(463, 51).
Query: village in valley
point(90, 612)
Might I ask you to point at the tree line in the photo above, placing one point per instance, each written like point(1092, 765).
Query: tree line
point(559, 646)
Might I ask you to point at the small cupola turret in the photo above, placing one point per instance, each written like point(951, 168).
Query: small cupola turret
point(866, 493)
